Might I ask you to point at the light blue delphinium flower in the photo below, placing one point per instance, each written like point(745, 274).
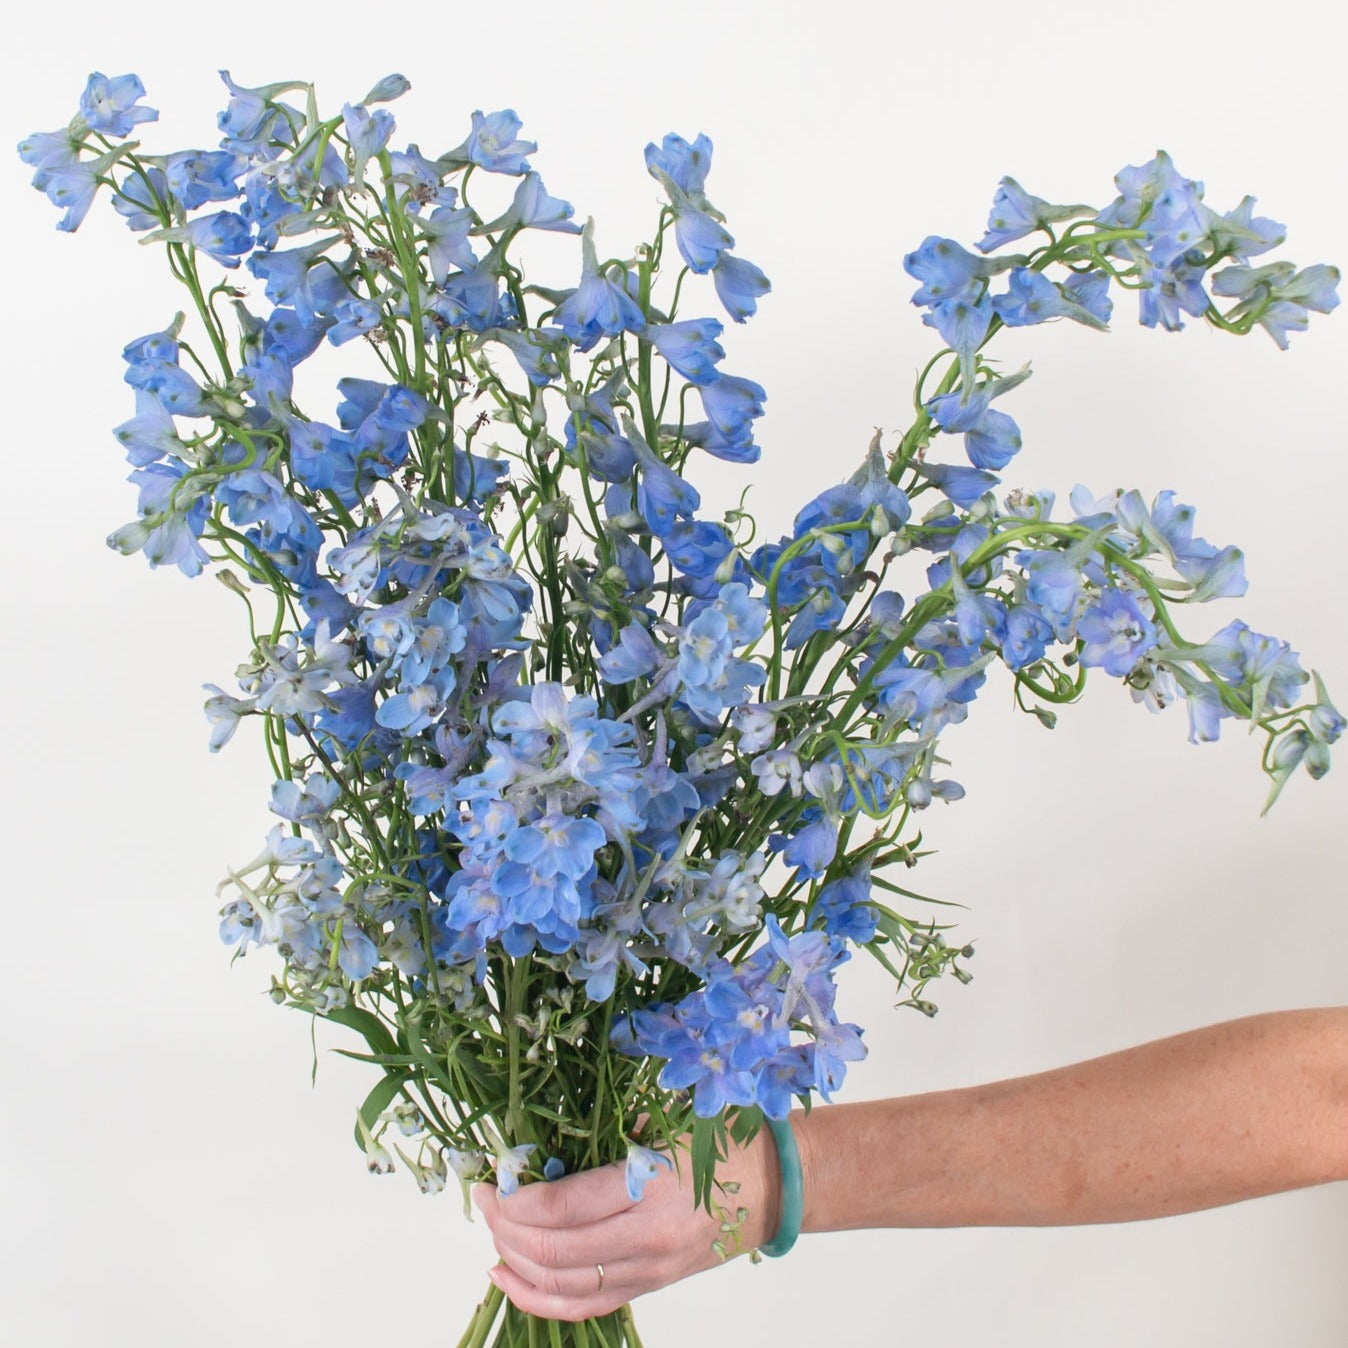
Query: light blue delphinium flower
point(810, 849)
point(1116, 632)
point(47, 151)
point(1279, 295)
point(533, 208)
point(447, 229)
point(1166, 206)
point(993, 442)
point(844, 907)
point(151, 433)
point(1265, 666)
point(739, 285)
point(253, 117)
point(732, 403)
point(700, 237)
point(946, 271)
point(962, 322)
point(493, 144)
point(964, 408)
point(509, 1163)
point(1241, 234)
point(367, 133)
point(689, 346)
point(1015, 213)
point(1169, 290)
point(676, 161)
point(195, 177)
point(355, 318)
point(599, 306)
point(1032, 298)
point(662, 495)
point(109, 106)
point(225, 236)
point(633, 656)
point(643, 1165)
point(73, 185)
point(962, 486)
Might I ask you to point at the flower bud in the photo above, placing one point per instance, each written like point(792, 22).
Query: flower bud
point(1289, 751)
point(389, 88)
point(1326, 722)
point(1317, 759)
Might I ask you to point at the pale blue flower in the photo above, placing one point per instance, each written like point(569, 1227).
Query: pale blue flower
point(643, 1165)
point(110, 106)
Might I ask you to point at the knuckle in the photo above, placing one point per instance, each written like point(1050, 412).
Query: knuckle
point(541, 1247)
point(557, 1204)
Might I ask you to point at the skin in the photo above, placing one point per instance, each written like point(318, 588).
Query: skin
point(1221, 1114)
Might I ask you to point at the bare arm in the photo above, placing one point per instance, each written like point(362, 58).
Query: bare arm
point(1214, 1116)
point(1218, 1115)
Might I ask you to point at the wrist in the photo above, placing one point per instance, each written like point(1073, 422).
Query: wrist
point(760, 1190)
point(791, 1189)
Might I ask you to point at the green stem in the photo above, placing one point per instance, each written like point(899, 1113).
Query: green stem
point(475, 1336)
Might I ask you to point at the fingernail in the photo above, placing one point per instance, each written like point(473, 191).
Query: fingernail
point(495, 1276)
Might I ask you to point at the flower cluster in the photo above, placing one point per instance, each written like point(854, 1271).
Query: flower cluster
point(568, 773)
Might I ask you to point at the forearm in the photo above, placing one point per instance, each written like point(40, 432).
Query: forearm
point(1221, 1114)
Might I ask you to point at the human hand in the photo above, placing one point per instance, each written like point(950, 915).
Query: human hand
point(554, 1238)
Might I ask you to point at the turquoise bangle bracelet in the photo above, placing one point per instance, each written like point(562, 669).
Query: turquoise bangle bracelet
point(793, 1190)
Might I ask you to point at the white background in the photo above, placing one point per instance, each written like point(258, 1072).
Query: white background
point(168, 1174)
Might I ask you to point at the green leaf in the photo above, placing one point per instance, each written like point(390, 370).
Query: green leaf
point(745, 1125)
point(426, 1060)
point(708, 1147)
point(378, 1059)
point(886, 961)
point(368, 1026)
point(378, 1101)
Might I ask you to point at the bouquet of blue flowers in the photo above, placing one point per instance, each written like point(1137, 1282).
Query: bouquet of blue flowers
point(583, 795)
